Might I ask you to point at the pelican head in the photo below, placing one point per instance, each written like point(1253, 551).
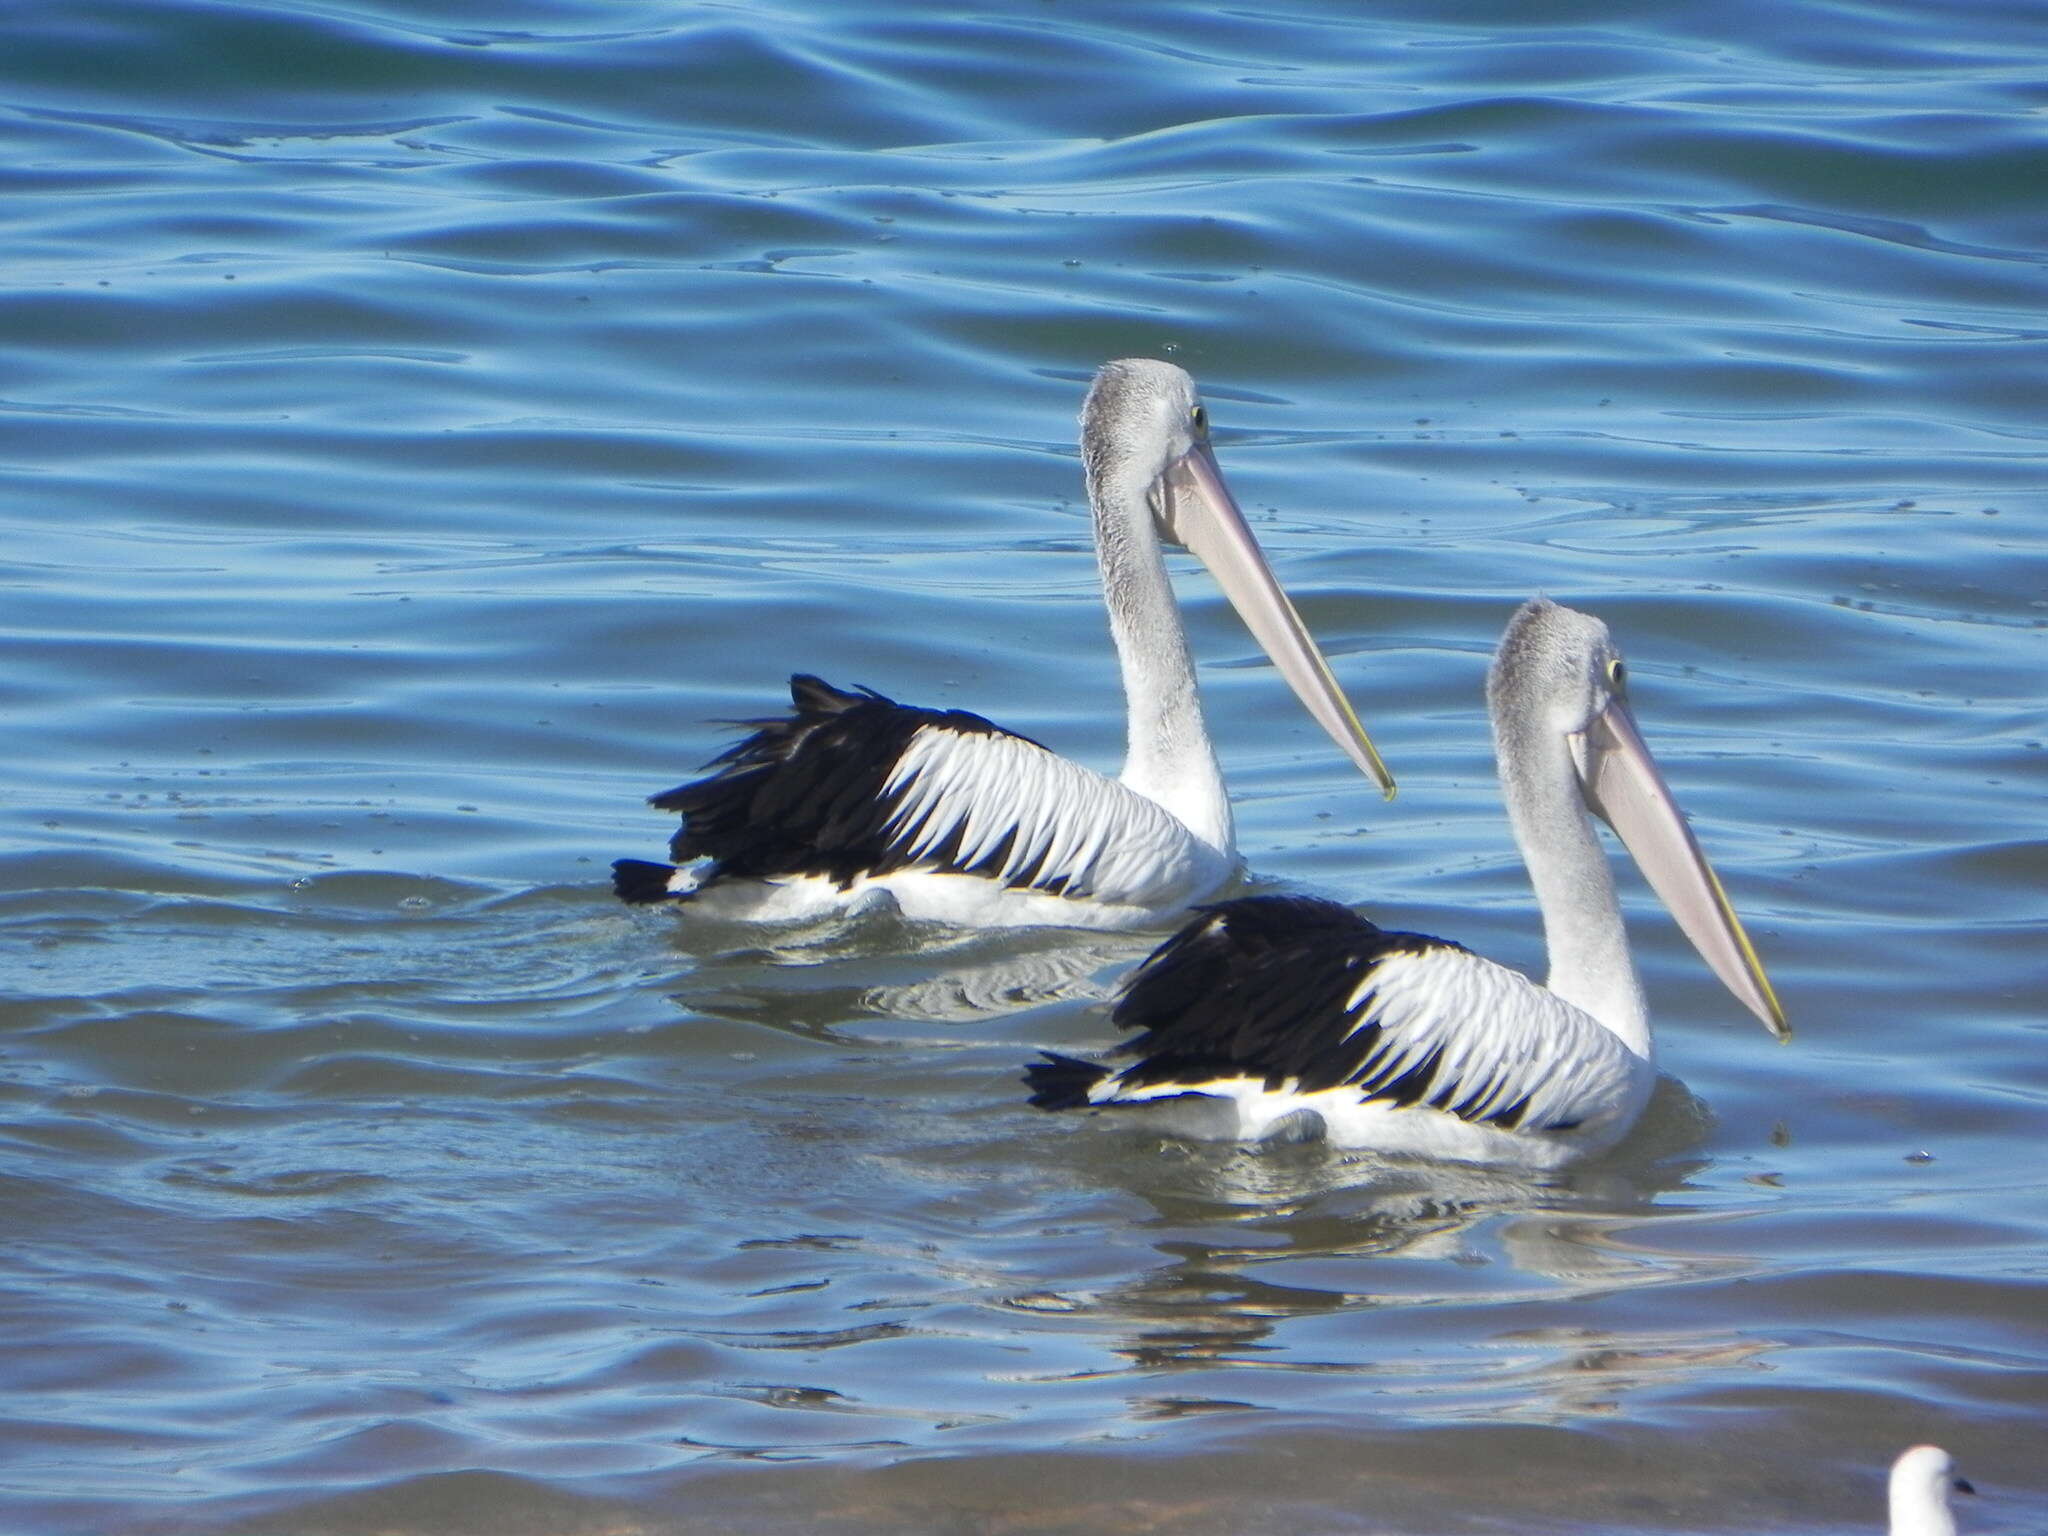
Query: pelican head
point(1922, 1480)
point(1145, 442)
point(1557, 677)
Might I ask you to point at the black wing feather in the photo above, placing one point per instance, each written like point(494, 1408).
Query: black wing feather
point(639, 882)
point(1062, 1082)
point(1259, 987)
point(806, 794)
point(1264, 987)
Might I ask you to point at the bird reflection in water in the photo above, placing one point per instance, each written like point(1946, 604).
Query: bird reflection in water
point(829, 979)
point(1163, 1260)
point(1251, 1243)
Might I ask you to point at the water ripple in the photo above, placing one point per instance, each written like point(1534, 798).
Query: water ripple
point(420, 435)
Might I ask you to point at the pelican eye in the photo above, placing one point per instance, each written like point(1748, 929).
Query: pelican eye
point(1617, 675)
point(1199, 418)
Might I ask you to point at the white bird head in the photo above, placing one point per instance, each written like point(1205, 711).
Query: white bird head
point(1145, 442)
point(1557, 674)
point(1922, 1480)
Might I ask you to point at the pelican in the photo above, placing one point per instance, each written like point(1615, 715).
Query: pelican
point(1922, 1480)
point(853, 800)
point(1276, 1015)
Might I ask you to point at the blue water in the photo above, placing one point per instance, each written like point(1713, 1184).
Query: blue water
point(419, 427)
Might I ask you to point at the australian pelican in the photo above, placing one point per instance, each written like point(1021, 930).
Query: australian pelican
point(853, 799)
point(1292, 1016)
point(1922, 1480)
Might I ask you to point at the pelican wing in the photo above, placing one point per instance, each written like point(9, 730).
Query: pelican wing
point(853, 784)
point(1003, 807)
point(1306, 996)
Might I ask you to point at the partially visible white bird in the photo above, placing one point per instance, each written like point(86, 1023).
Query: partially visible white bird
point(854, 798)
point(1922, 1480)
point(1273, 1015)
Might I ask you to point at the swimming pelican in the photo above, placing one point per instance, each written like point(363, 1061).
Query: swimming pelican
point(1288, 1015)
point(854, 799)
point(1922, 1480)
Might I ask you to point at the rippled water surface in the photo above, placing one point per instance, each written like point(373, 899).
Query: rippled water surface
point(421, 422)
